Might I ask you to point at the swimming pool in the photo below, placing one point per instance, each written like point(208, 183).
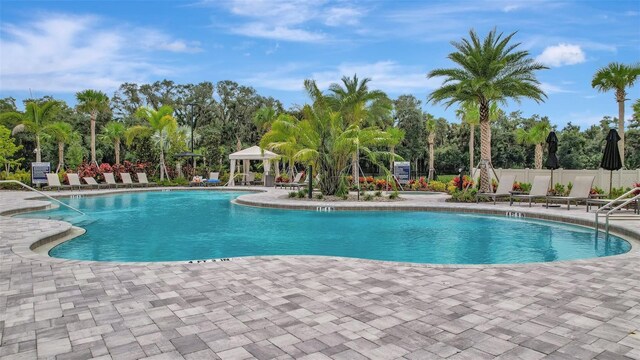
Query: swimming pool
point(190, 225)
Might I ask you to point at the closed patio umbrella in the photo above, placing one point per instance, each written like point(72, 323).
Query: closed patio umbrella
point(552, 159)
point(611, 157)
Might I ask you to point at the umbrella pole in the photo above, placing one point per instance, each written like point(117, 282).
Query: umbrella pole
point(610, 182)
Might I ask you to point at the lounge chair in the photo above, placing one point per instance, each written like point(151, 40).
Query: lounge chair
point(298, 184)
point(197, 181)
point(249, 179)
point(213, 179)
point(54, 181)
point(91, 181)
point(504, 189)
point(579, 192)
point(110, 179)
point(126, 179)
point(539, 190)
point(296, 179)
point(74, 181)
point(142, 179)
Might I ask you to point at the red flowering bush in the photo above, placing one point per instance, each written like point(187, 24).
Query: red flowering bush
point(92, 170)
point(466, 182)
point(105, 168)
point(282, 179)
point(637, 187)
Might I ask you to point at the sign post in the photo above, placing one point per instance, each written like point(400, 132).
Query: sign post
point(39, 172)
point(402, 171)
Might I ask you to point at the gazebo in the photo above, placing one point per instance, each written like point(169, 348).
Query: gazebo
point(246, 155)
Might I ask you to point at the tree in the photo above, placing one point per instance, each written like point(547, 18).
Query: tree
point(62, 133)
point(617, 77)
point(34, 120)
point(360, 106)
point(264, 117)
point(535, 135)
point(430, 125)
point(324, 138)
point(489, 70)
point(114, 132)
point(409, 117)
point(7, 149)
point(92, 102)
point(160, 123)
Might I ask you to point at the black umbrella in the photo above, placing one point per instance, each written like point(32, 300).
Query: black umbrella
point(611, 157)
point(552, 159)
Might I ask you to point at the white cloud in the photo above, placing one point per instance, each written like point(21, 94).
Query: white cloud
point(553, 89)
point(339, 16)
point(387, 76)
point(277, 32)
point(61, 53)
point(562, 54)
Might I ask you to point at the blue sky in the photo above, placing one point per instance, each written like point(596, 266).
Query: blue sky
point(60, 47)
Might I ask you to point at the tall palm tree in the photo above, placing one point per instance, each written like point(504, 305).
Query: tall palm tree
point(430, 126)
point(618, 77)
point(161, 123)
point(92, 102)
point(34, 120)
point(395, 136)
point(264, 117)
point(536, 136)
point(489, 71)
point(62, 133)
point(360, 106)
point(468, 113)
point(114, 132)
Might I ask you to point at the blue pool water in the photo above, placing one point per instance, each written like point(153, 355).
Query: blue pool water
point(185, 225)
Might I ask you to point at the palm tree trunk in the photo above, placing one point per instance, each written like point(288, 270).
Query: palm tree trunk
point(472, 129)
point(620, 97)
point(431, 156)
point(38, 149)
point(354, 167)
point(392, 150)
point(163, 168)
point(116, 145)
point(60, 156)
point(485, 147)
point(93, 138)
point(538, 156)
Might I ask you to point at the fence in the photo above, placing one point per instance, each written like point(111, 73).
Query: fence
point(621, 178)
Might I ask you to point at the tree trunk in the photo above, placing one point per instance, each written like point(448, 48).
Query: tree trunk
point(93, 137)
point(354, 168)
point(163, 168)
point(38, 149)
point(472, 129)
point(60, 156)
point(431, 156)
point(485, 148)
point(116, 145)
point(538, 159)
point(620, 97)
point(392, 150)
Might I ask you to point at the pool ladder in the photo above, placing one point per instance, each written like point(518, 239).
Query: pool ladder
point(325, 209)
point(612, 208)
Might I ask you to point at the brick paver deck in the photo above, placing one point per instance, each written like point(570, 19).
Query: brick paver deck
point(312, 307)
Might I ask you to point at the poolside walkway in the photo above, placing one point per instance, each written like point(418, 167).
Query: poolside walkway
point(312, 307)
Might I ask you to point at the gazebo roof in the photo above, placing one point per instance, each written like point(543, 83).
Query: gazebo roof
point(253, 153)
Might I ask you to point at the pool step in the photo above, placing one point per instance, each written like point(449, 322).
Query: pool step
point(325, 209)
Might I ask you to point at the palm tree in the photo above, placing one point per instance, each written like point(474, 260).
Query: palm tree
point(536, 135)
point(114, 132)
point(324, 138)
point(92, 102)
point(430, 126)
point(360, 106)
point(62, 133)
point(618, 77)
point(395, 136)
point(34, 120)
point(489, 71)
point(161, 123)
point(468, 113)
point(282, 139)
point(264, 117)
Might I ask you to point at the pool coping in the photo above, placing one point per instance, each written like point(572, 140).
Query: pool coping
point(254, 199)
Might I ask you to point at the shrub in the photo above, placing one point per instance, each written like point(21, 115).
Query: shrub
point(319, 196)
point(367, 197)
point(524, 187)
point(378, 193)
point(438, 186)
point(19, 175)
point(293, 194)
point(558, 189)
point(445, 178)
point(464, 196)
point(301, 193)
point(394, 195)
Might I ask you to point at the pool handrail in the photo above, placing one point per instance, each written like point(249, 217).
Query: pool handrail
point(608, 206)
point(41, 193)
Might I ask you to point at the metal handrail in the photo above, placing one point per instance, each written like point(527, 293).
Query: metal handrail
point(635, 198)
point(41, 193)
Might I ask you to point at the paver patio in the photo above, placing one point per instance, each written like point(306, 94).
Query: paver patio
point(311, 307)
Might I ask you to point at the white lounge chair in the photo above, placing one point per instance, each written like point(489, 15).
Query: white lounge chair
point(91, 181)
point(142, 179)
point(110, 179)
point(296, 179)
point(539, 190)
point(505, 186)
point(54, 181)
point(74, 180)
point(213, 179)
point(579, 192)
point(126, 179)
